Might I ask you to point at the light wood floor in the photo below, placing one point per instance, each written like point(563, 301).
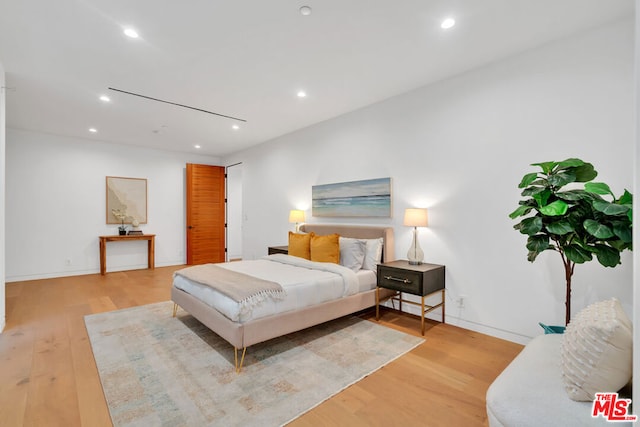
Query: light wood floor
point(48, 375)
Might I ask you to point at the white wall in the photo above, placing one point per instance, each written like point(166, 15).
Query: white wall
point(234, 212)
point(55, 206)
point(2, 202)
point(636, 217)
point(460, 148)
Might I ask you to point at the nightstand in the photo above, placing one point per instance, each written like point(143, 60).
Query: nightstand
point(278, 250)
point(422, 280)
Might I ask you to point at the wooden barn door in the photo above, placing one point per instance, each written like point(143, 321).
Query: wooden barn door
point(205, 214)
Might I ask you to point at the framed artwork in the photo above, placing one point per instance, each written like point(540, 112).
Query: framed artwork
point(368, 198)
point(126, 200)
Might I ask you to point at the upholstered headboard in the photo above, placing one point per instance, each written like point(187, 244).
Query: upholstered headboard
point(357, 232)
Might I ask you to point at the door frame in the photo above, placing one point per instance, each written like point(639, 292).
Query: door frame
point(228, 219)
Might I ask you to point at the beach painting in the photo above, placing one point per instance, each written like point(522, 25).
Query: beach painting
point(367, 198)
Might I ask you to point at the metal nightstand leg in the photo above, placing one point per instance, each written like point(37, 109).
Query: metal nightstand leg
point(422, 317)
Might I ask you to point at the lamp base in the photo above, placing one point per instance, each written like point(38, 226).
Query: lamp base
point(415, 254)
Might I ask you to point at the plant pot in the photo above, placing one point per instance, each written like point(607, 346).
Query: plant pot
point(552, 329)
point(122, 232)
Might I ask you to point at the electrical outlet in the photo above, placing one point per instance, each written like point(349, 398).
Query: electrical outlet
point(461, 300)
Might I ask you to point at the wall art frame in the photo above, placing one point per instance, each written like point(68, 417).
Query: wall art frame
point(126, 200)
point(365, 198)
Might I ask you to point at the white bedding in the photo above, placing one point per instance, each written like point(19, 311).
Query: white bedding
point(306, 283)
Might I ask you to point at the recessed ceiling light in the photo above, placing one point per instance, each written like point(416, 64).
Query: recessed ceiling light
point(93, 130)
point(305, 10)
point(301, 94)
point(235, 127)
point(448, 23)
point(105, 98)
point(130, 32)
point(196, 146)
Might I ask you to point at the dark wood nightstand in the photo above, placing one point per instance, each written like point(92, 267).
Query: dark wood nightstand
point(422, 280)
point(278, 250)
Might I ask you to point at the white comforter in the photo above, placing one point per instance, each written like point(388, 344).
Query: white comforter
point(306, 283)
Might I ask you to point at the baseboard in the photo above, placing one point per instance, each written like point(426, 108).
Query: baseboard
point(489, 330)
point(466, 324)
point(3, 324)
point(53, 275)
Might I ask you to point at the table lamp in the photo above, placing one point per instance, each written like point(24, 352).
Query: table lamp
point(415, 217)
point(296, 216)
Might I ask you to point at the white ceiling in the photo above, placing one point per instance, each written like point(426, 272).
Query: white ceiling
point(249, 58)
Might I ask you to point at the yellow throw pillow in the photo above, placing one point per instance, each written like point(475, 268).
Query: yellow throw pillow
point(325, 248)
point(299, 245)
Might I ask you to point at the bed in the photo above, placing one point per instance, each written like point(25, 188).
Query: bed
point(243, 331)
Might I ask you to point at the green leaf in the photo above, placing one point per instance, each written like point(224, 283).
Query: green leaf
point(546, 167)
point(610, 208)
point(569, 163)
point(573, 195)
point(598, 230)
point(623, 231)
point(607, 256)
point(585, 173)
point(578, 213)
point(530, 191)
point(562, 178)
point(619, 245)
point(577, 254)
point(529, 226)
point(522, 210)
point(556, 208)
point(625, 199)
point(560, 227)
point(532, 255)
point(630, 215)
point(542, 198)
point(598, 188)
point(528, 179)
point(538, 243)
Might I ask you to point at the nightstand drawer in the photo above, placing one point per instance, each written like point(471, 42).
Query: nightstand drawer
point(403, 281)
point(421, 279)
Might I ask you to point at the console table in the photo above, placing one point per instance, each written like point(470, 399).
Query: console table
point(151, 244)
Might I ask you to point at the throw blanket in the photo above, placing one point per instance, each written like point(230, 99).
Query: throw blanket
point(246, 290)
point(348, 276)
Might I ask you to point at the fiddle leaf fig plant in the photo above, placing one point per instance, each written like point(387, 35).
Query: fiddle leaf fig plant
point(579, 222)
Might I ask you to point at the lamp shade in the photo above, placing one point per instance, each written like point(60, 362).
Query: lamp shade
point(415, 217)
point(296, 216)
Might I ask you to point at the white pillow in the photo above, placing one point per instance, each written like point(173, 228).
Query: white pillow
point(596, 351)
point(373, 254)
point(352, 253)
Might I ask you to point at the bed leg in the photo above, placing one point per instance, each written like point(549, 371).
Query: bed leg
point(175, 309)
point(239, 365)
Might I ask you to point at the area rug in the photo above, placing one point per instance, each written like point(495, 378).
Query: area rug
point(159, 370)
